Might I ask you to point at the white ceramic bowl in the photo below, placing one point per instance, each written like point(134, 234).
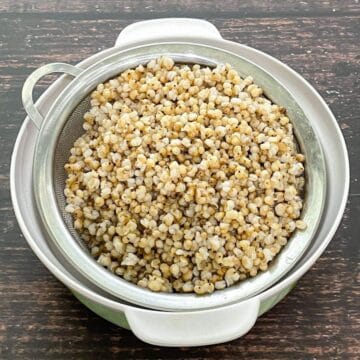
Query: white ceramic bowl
point(196, 327)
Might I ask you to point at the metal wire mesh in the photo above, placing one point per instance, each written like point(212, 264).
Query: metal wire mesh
point(71, 131)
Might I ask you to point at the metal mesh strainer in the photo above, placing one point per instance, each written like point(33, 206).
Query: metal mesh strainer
point(63, 125)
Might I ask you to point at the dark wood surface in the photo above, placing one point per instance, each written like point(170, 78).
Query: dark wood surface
point(40, 319)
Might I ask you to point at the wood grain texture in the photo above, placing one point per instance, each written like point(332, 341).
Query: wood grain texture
point(319, 39)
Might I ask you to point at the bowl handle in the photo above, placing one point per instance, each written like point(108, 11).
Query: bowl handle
point(195, 328)
point(166, 28)
point(33, 78)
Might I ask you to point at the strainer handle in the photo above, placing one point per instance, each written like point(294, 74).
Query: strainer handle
point(33, 78)
point(193, 328)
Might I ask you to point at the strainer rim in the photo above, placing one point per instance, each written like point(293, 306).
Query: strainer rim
point(42, 183)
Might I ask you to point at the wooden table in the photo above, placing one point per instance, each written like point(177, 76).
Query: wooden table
point(320, 40)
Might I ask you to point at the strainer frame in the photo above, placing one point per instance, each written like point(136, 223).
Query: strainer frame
point(43, 180)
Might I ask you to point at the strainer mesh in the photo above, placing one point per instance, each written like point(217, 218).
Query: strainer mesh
point(71, 131)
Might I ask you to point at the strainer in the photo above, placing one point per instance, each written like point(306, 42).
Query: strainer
point(63, 124)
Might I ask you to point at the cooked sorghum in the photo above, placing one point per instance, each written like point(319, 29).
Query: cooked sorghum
point(186, 179)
